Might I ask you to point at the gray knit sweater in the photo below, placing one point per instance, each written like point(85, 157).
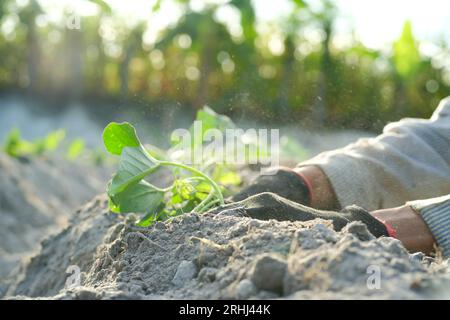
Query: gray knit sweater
point(408, 162)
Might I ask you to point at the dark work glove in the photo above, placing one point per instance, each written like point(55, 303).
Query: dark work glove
point(265, 206)
point(284, 182)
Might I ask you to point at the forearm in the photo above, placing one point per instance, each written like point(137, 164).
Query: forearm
point(436, 214)
point(418, 225)
point(410, 160)
point(406, 221)
point(409, 228)
point(322, 195)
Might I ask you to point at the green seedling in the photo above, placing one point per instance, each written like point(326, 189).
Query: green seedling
point(194, 188)
point(17, 147)
point(191, 191)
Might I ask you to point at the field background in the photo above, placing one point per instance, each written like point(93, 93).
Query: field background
point(78, 65)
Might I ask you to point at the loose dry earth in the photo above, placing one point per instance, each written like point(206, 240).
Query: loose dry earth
point(36, 199)
point(191, 257)
point(224, 256)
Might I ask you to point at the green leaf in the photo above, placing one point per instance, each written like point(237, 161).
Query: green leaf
point(127, 191)
point(118, 136)
point(140, 197)
point(208, 119)
point(176, 199)
point(203, 187)
point(148, 219)
point(184, 189)
point(135, 164)
point(212, 120)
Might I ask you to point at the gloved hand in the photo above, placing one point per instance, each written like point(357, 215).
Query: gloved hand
point(265, 206)
point(285, 182)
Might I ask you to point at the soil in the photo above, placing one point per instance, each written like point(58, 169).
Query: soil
point(36, 199)
point(45, 239)
point(224, 256)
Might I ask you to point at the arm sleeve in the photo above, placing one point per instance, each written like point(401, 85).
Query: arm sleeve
point(410, 160)
point(436, 214)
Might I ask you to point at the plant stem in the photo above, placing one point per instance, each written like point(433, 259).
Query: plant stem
point(194, 178)
point(197, 172)
point(209, 205)
point(201, 205)
point(163, 189)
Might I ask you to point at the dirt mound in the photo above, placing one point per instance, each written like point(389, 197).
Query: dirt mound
point(36, 198)
point(224, 256)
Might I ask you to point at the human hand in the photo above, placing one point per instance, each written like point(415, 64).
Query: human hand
point(408, 227)
point(265, 206)
point(284, 182)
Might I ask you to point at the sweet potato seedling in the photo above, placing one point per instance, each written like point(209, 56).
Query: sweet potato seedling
point(192, 189)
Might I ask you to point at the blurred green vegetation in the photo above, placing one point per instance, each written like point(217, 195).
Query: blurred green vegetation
point(291, 72)
point(55, 142)
point(17, 147)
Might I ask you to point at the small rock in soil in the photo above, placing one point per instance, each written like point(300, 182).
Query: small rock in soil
point(268, 273)
point(186, 271)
